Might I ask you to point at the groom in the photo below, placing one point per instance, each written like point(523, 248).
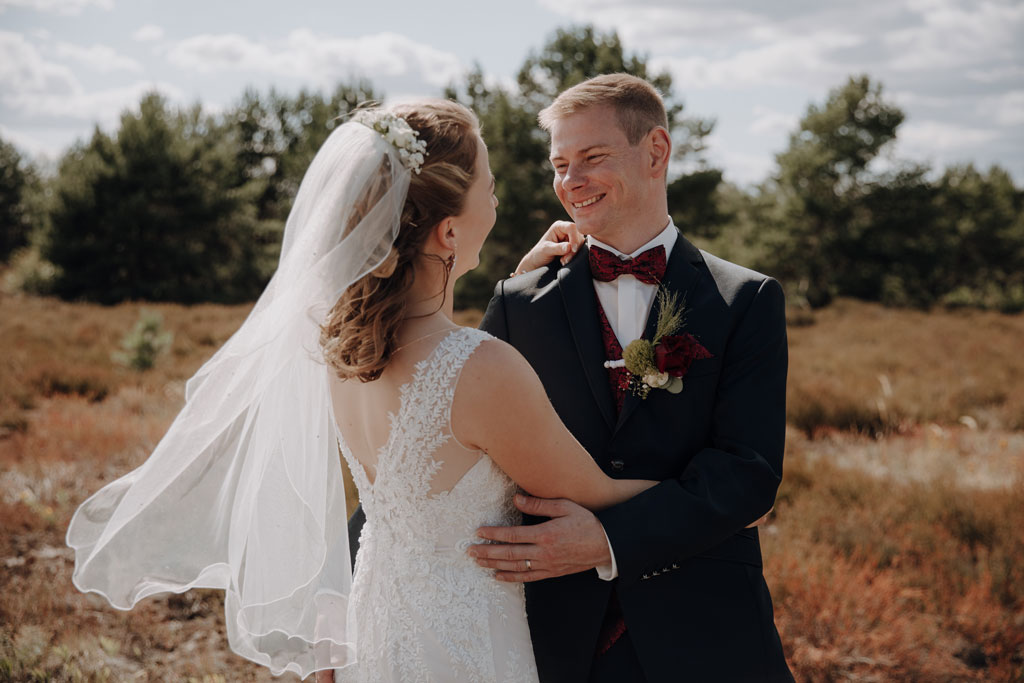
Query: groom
point(678, 593)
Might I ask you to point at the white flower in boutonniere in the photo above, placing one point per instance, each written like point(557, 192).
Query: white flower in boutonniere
point(658, 380)
point(661, 363)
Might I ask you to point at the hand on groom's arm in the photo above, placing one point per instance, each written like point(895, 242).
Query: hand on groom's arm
point(571, 541)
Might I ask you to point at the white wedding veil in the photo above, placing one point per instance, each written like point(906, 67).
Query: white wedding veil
point(245, 492)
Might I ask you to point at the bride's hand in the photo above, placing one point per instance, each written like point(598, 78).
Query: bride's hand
point(325, 676)
point(562, 240)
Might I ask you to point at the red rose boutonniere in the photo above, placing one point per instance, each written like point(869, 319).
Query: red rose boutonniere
point(674, 353)
point(662, 362)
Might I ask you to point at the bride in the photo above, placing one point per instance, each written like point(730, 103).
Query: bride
point(352, 344)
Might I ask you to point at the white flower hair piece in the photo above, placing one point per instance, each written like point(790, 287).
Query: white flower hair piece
point(400, 135)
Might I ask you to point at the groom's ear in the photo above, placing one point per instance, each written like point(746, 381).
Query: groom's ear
point(659, 149)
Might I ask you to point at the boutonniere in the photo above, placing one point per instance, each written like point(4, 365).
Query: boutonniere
point(661, 363)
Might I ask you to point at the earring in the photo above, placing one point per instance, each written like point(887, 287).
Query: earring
point(449, 262)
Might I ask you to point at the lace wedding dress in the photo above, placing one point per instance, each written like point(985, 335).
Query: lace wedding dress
point(421, 609)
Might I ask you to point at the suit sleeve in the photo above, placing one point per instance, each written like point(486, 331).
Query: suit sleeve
point(733, 481)
point(495, 320)
point(355, 527)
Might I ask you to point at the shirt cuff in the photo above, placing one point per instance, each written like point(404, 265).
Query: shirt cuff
point(607, 572)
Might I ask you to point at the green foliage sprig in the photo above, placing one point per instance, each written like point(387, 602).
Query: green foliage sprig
point(671, 313)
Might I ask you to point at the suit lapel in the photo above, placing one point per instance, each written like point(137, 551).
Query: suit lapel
point(680, 276)
point(577, 288)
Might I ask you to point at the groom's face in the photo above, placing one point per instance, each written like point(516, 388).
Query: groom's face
point(600, 178)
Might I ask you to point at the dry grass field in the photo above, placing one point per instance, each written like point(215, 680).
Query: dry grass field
point(896, 551)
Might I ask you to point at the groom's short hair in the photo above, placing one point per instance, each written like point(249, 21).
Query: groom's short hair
point(638, 106)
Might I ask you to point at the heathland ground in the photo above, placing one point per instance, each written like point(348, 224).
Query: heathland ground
point(895, 551)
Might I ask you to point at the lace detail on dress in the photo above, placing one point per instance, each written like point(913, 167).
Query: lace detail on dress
point(423, 610)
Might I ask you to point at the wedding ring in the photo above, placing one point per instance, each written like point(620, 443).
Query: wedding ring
point(528, 566)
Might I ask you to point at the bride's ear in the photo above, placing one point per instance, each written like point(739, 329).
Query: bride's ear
point(444, 233)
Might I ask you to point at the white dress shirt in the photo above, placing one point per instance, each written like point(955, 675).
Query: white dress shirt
point(627, 303)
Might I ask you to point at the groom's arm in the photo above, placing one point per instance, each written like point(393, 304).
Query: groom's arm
point(576, 552)
point(733, 481)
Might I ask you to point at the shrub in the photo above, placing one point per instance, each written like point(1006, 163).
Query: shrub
point(29, 273)
point(145, 342)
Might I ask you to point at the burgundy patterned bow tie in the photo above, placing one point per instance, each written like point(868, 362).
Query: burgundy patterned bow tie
point(648, 267)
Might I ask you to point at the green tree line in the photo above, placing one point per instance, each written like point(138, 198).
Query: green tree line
point(182, 205)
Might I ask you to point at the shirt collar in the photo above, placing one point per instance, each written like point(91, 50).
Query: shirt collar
point(666, 238)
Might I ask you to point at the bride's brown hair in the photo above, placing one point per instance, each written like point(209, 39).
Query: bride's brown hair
point(358, 336)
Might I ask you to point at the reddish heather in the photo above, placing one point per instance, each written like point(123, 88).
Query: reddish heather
point(894, 553)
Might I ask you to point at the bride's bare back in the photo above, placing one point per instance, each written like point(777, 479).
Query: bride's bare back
point(365, 411)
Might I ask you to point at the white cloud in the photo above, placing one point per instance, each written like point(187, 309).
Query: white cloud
point(801, 60)
point(997, 73)
point(44, 145)
point(951, 36)
point(925, 137)
point(24, 142)
point(770, 122)
point(787, 42)
point(70, 7)
point(660, 27)
point(103, 107)
point(1006, 109)
point(31, 86)
point(904, 99)
point(319, 59)
point(742, 168)
point(148, 33)
point(98, 58)
point(24, 70)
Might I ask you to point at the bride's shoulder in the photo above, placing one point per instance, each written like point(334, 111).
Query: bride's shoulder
point(495, 368)
point(497, 385)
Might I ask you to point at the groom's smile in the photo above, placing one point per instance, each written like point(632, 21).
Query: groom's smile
point(587, 202)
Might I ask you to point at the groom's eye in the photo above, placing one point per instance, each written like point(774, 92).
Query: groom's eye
point(595, 158)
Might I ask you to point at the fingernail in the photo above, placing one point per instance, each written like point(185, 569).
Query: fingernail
point(520, 498)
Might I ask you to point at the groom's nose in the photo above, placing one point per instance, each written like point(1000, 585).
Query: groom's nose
point(574, 177)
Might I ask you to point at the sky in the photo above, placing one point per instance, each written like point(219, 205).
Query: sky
point(955, 67)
